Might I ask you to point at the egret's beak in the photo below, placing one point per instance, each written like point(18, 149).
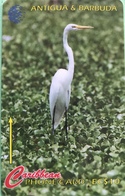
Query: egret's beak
point(83, 27)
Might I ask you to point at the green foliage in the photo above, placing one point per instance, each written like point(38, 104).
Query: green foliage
point(95, 148)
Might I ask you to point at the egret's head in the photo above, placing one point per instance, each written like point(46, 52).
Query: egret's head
point(71, 27)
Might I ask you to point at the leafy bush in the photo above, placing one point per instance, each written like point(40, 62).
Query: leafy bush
point(95, 148)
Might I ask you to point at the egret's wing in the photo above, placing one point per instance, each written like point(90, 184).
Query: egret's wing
point(57, 102)
point(54, 90)
point(60, 108)
point(59, 96)
point(68, 96)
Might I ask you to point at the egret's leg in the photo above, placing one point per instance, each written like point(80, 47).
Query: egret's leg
point(66, 119)
point(52, 129)
point(53, 120)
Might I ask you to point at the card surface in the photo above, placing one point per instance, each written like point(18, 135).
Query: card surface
point(62, 98)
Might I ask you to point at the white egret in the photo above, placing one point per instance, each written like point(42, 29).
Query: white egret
point(60, 88)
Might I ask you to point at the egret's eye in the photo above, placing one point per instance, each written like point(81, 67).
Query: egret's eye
point(73, 27)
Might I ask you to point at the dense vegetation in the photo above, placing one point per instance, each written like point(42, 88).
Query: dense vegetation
point(95, 148)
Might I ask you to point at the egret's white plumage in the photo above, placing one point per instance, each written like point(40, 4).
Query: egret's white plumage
point(60, 88)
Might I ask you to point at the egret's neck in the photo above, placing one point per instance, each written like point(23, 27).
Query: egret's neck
point(70, 55)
